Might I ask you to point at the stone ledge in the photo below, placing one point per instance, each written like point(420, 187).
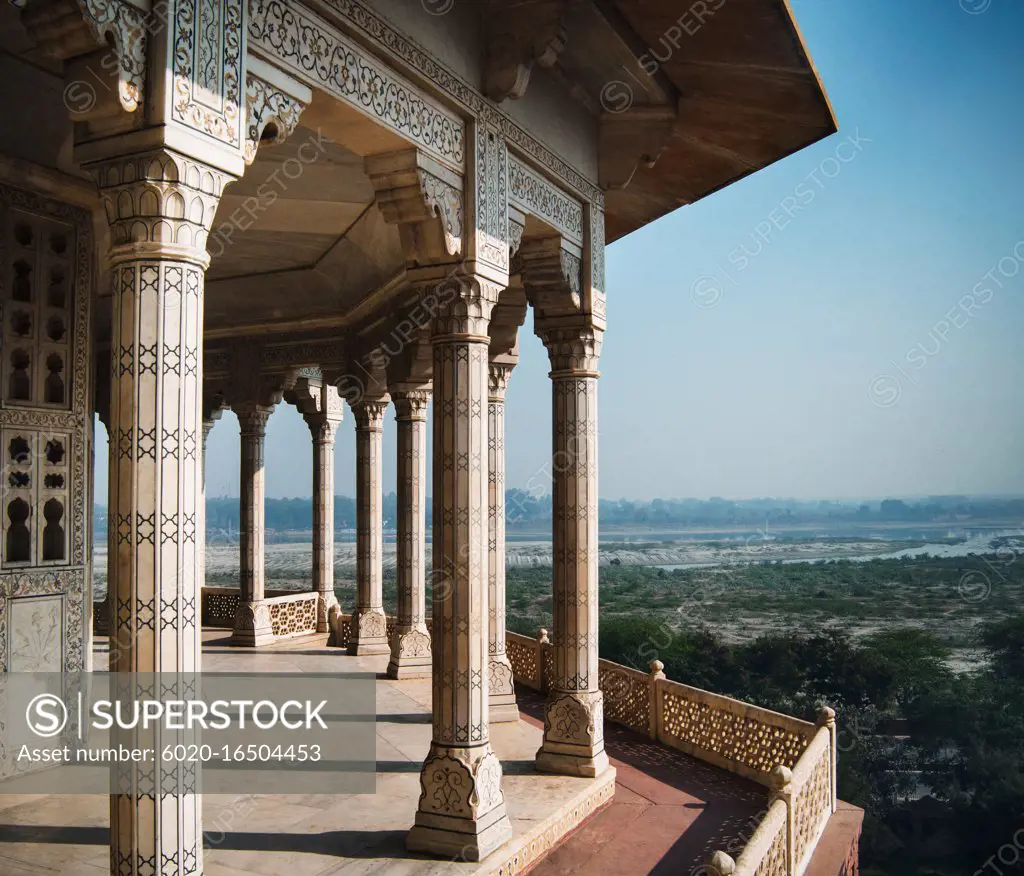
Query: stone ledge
point(525, 849)
point(836, 853)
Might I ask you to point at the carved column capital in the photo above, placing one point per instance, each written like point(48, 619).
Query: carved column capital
point(252, 418)
point(573, 351)
point(319, 403)
point(462, 308)
point(214, 406)
point(410, 404)
point(369, 414)
point(498, 375)
point(159, 204)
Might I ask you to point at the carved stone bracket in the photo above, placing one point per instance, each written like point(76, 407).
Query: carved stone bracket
point(318, 401)
point(425, 198)
point(515, 236)
point(519, 36)
point(631, 139)
point(507, 317)
point(68, 36)
point(274, 101)
point(552, 276)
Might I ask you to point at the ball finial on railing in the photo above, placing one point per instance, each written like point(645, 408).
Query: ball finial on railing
point(780, 776)
point(657, 669)
point(542, 636)
point(826, 716)
point(721, 865)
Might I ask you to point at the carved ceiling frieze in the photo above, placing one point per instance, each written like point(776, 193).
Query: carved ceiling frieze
point(532, 193)
point(399, 46)
point(317, 53)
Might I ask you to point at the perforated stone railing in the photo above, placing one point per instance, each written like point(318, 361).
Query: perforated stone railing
point(292, 614)
point(219, 606)
point(794, 758)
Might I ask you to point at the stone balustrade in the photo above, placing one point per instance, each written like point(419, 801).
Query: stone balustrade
point(794, 758)
point(292, 613)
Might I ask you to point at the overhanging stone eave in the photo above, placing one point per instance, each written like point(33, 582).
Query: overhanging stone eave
point(620, 225)
point(804, 117)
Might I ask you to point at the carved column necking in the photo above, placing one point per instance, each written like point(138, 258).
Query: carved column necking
point(323, 430)
point(501, 692)
point(573, 725)
point(410, 650)
point(461, 808)
point(252, 620)
point(158, 259)
point(369, 625)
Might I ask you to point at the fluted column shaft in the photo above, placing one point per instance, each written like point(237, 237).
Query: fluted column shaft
point(158, 261)
point(573, 727)
point(410, 650)
point(323, 433)
point(461, 808)
point(501, 693)
point(252, 620)
point(369, 625)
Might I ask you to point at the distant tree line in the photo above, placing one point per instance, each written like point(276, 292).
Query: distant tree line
point(527, 511)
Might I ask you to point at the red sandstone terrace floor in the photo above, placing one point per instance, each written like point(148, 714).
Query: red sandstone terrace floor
point(669, 813)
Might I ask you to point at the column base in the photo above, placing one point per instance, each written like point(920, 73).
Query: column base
point(573, 735)
point(369, 634)
point(501, 694)
point(502, 713)
point(586, 766)
point(252, 625)
point(325, 602)
point(410, 655)
point(461, 839)
point(461, 812)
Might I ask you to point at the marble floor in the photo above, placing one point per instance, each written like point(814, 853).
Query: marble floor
point(292, 835)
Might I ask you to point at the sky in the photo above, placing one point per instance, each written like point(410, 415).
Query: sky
point(868, 345)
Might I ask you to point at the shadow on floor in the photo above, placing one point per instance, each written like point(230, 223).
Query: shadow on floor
point(670, 813)
point(77, 836)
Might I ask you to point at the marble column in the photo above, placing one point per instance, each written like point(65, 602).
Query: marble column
point(212, 412)
point(369, 625)
point(501, 691)
point(157, 258)
point(323, 427)
point(410, 650)
point(461, 808)
point(252, 620)
point(574, 717)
